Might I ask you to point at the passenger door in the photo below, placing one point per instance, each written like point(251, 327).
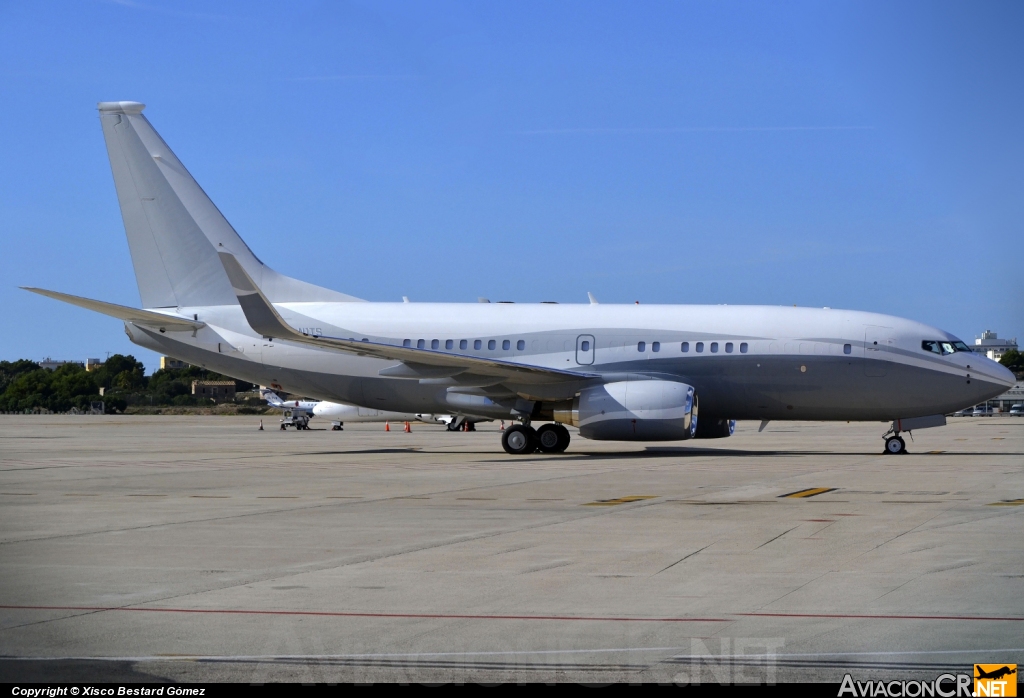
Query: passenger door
point(585, 349)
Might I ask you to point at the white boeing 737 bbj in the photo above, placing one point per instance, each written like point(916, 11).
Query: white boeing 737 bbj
point(618, 372)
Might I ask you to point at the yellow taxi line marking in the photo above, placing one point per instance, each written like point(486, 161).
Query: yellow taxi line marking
point(1008, 503)
point(620, 500)
point(19, 494)
point(812, 492)
point(936, 451)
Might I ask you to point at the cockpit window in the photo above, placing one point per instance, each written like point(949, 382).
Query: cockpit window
point(944, 347)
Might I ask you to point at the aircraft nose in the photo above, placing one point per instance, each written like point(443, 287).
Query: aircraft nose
point(1005, 376)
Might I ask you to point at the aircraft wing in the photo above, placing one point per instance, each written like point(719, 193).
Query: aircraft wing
point(263, 317)
point(147, 318)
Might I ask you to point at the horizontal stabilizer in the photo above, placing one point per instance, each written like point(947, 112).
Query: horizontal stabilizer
point(263, 317)
point(148, 318)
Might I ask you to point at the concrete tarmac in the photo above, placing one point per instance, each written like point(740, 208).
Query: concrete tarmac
point(200, 549)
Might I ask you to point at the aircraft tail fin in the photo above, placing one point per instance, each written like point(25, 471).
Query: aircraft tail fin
point(174, 229)
point(272, 398)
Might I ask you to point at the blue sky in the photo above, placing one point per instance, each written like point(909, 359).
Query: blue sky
point(864, 155)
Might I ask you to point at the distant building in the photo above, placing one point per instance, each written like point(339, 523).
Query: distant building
point(1013, 396)
point(168, 362)
point(215, 390)
point(991, 346)
point(52, 364)
point(92, 364)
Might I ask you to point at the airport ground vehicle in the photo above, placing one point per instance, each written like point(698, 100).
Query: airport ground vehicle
point(617, 372)
point(966, 412)
point(295, 418)
point(1017, 410)
point(982, 411)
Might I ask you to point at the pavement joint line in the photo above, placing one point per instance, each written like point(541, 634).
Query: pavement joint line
point(880, 616)
point(485, 616)
point(357, 614)
point(498, 653)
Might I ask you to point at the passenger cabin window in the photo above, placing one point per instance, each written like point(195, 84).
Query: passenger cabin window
point(421, 344)
point(477, 344)
point(728, 347)
point(714, 347)
point(463, 344)
point(641, 346)
point(585, 345)
point(449, 344)
point(685, 347)
point(743, 347)
point(506, 345)
point(491, 344)
point(655, 346)
point(700, 347)
point(435, 344)
point(406, 342)
point(521, 345)
point(847, 348)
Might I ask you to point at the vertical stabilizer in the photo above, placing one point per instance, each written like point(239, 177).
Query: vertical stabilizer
point(173, 227)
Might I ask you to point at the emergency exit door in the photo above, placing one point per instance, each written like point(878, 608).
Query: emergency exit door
point(585, 349)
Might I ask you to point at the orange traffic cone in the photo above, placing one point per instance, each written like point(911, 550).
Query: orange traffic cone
point(261, 426)
point(408, 429)
point(387, 427)
point(503, 425)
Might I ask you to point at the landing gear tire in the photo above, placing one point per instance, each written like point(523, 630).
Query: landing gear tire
point(895, 445)
point(519, 440)
point(553, 438)
point(454, 426)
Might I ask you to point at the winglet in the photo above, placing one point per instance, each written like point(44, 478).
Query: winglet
point(593, 300)
point(259, 312)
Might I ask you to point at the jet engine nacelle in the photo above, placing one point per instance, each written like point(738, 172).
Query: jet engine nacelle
point(640, 410)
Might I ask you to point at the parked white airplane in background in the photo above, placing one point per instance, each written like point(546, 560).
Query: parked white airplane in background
point(299, 412)
point(620, 372)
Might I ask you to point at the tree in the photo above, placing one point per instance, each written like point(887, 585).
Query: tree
point(122, 372)
point(9, 370)
point(1013, 360)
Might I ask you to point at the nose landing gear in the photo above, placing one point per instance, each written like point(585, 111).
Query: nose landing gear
point(894, 443)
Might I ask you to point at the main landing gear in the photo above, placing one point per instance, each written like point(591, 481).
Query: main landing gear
point(522, 439)
point(894, 443)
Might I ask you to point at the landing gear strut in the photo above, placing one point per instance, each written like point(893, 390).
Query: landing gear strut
point(894, 443)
